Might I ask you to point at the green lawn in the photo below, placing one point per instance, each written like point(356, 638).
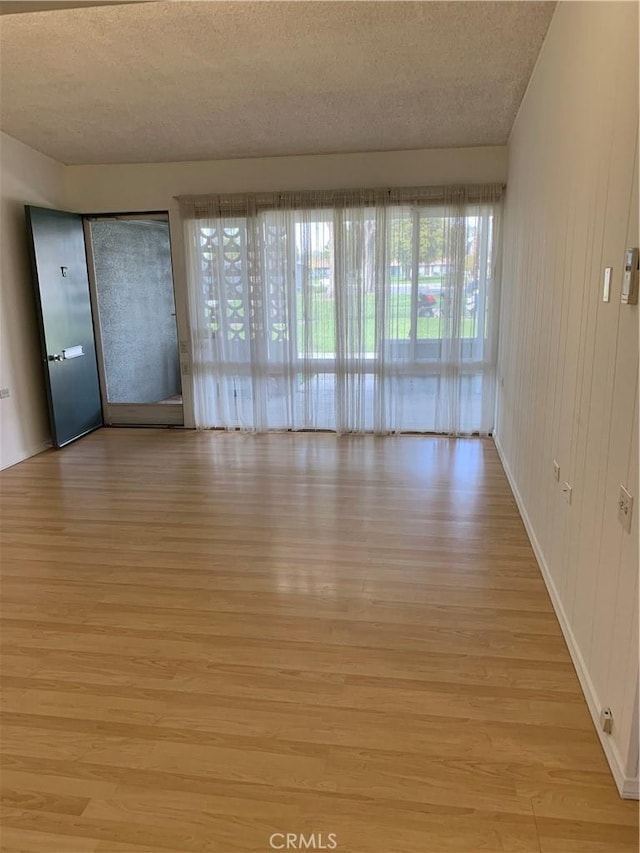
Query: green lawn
point(322, 324)
point(317, 332)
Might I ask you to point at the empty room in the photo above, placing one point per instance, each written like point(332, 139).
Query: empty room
point(319, 426)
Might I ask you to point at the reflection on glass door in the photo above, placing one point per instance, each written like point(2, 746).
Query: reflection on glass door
point(136, 318)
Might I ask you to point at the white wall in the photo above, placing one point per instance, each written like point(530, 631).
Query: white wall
point(153, 186)
point(568, 362)
point(26, 177)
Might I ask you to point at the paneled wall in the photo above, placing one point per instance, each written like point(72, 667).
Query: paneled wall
point(568, 362)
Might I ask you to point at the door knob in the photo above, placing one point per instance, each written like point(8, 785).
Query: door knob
point(56, 357)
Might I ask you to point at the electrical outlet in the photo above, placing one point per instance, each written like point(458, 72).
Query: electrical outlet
point(4, 393)
point(625, 508)
point(567, 491)
point(606, 721)
point(556, 471)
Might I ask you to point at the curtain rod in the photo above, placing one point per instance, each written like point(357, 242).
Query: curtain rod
point(432, 193)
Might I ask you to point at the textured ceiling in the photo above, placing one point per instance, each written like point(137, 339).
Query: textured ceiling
point(153, 82)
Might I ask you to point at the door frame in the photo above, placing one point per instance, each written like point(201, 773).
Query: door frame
point(135, 414)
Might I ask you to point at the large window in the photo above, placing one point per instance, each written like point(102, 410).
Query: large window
point(354, 312)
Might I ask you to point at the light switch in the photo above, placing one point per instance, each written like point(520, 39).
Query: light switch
point(630, 278)
point(606, 288)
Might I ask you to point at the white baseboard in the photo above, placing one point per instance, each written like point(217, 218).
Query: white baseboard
point(627, 785)
point(26, 454)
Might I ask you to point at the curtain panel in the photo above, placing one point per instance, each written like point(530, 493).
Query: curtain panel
point(353, 311)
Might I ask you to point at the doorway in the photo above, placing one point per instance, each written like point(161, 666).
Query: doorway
point(134, 306)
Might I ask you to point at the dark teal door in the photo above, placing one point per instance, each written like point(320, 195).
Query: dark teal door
point(66, 326)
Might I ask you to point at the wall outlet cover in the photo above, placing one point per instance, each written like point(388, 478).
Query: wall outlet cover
point(606, 721)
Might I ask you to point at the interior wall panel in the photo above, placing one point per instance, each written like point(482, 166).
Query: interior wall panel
point(568, 362)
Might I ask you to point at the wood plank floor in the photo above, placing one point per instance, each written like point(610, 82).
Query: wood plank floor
point(211, 638)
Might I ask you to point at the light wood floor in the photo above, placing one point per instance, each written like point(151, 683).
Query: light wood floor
point(211, 638)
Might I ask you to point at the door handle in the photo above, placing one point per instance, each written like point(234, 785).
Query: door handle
point(70, 352)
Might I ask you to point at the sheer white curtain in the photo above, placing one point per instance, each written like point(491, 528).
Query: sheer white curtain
point(354, 311)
